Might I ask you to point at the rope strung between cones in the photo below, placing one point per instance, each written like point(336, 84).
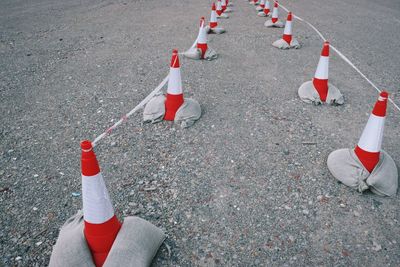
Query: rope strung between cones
point(340, 54)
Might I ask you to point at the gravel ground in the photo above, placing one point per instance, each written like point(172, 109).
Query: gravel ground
point(248, 185)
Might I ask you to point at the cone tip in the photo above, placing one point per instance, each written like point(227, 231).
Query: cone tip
point(174, 51)
point(384, 95)
point(86, 145)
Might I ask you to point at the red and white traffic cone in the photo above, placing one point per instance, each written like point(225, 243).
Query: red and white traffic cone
point(369, 146)
point(318, 90)
point(101, 225)
point(220, 12)
point(174, 92)
point(254, 2)
point(287, 41)
point(320, 80)
point(213, 18)
point(202, 40)
point(266, 11)
point(261, 6)
point(223, 5)
point(274, 21)
point(213, 25)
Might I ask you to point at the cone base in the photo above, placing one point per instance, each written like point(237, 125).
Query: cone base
point(309, 94)
point(277, 24)
point(282, 44)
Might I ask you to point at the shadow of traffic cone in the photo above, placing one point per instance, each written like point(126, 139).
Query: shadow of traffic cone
point(274, 22)
point(266, 11)
point(318, 90)
point(287, 41)
point(369, 146)
point(213, 25)
point(101, 225)
point(174, 92)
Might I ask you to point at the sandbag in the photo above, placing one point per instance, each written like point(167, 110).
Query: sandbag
point(262, 14)
point(154, 110)
point(309, 94)
point(188, 113)
point(277, 24)
point(136, 244)
point(282, 44)
point(195, 53)
point(347, 168)
point(223, 16)
point(217, 30)
point(71, 248)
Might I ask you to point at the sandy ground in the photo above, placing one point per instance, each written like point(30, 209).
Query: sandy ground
point(244, 186)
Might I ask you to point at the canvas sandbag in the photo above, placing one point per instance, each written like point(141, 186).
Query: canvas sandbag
point(154, 110)
point(309, 94)
point(136, 244)
point(188, 113)
point(347, 168)
point(277, 24)
point(282, 44)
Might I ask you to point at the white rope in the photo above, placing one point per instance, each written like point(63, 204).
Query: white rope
point(340, 54)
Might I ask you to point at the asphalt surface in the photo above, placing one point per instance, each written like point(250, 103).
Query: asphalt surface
point(248, 184)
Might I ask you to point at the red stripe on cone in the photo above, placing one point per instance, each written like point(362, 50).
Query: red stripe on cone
point(99, 236)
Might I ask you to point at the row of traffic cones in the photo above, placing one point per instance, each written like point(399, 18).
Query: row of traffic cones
point(319, 90)
point(101, 226)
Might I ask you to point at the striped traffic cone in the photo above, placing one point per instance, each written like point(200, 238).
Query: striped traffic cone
point(287, 41)
point(274, 21)
point(213, 25)
point(213, 18)
point(223, 5)
point(318, 90)
point(220, 12)
point(320, 80)
point(101, 225)
point(369, 146)
point(202, 40)
point(261, 6)
point(174, 91)
point(266, 11)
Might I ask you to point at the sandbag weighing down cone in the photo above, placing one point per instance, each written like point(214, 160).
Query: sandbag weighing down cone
point(228, 3)
point(287, 41)
point(173, 106)
point(220, 12)
point(274, 22)
point(367, 166)
point(266, 11)
point(224, 7)
point(213, 25)
point(319, 90)
point(261, 6)
point(95, 237)
point(201, 50)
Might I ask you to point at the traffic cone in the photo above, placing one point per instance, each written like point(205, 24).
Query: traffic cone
point(287, 41)
point(367, 166)
point(174, 92)
point(224, 6)
point(101, 225)
point(254, 2)
point(369, 146)
point(213, 25)
point(320, 80)
point(261, 6)
point(220, 12)
point(202, 40)
point(266, 11)
point(274, 21)
point(319, 90)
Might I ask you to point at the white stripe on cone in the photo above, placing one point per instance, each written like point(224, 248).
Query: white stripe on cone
point(213, 16)
point(275, 14)
point(322, 69)
point(372, 136)
point(202, 36)
point(288, 28)
point(97, 207)
point(267, 6)
point(174, 82)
